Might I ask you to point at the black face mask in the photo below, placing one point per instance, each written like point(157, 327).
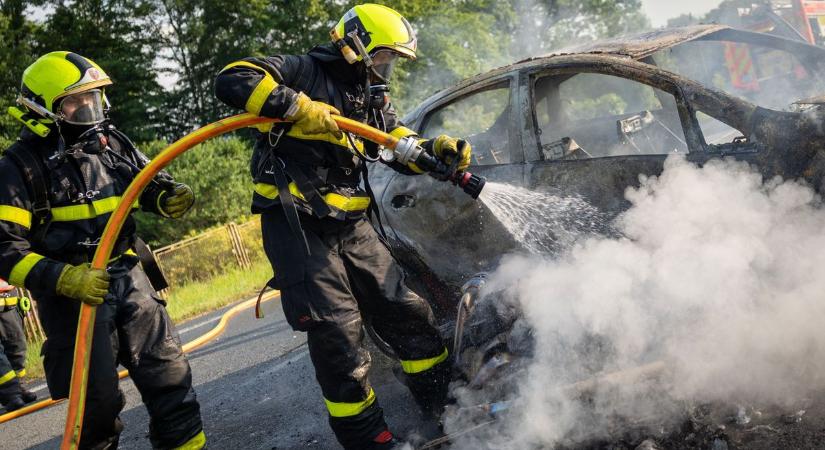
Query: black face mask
point(90, 139)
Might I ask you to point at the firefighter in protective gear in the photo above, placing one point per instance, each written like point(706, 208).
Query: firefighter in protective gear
point(13, 395)
point(62, 179)
point(329, 263)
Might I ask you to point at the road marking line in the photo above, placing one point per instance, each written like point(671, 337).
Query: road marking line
point(198, 325)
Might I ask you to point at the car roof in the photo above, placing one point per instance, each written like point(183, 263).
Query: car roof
point(637, 46)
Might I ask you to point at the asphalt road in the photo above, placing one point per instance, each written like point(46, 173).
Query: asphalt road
point(256, 386)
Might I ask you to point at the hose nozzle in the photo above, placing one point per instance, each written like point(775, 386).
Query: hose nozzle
point(470, 183)
point(408, 151)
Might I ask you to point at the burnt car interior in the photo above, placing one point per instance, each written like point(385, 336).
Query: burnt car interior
point(483, 117)
point(595, 115)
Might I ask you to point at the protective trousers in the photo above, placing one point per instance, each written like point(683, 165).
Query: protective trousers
point(350, 273)
point(131, 328)
point(12, 354)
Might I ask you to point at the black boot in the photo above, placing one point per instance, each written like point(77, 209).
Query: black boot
point(385, 441)
point(13, 404)
point(27, 396)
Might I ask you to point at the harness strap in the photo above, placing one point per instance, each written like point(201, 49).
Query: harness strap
point(309, 190)
point(287, 200)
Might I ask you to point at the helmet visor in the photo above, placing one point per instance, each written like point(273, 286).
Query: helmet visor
point(83, 108)
point(384, 61)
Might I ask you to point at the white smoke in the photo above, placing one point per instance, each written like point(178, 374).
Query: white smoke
point(719, 276)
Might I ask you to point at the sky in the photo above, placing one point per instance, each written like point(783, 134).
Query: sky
point(661, 10)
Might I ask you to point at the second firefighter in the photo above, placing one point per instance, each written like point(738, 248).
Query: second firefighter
point(329, 263)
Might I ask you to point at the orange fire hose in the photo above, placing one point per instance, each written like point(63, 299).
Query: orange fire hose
point(83, 339)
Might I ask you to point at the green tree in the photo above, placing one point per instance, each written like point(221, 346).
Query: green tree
point(17, 34)
point(218, 172)
point(117, 35)
point(201, 36)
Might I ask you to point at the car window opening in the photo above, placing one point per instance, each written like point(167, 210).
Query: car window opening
point(591, 115)
point(483, 118)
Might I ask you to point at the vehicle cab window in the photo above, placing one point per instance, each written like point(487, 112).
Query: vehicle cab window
point(590, 115)
point(482, 118)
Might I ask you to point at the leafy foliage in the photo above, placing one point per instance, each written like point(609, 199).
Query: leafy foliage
point(218, 172)
point(17, 35)
point(116, 35)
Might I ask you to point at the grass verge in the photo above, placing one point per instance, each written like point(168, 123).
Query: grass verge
point(196, 298)
point(34, 364)
point(189, 300)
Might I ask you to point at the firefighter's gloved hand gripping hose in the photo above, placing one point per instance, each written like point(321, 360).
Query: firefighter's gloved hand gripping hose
point(404, 150)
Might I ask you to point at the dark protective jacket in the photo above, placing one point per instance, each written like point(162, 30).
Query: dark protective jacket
point(268, 87)
point(12, 346)
point(131, 326)
point(345, 271)
point(83, 190)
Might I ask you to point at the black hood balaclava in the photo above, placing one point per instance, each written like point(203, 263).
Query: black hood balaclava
point(332, 57)
point(72, 132)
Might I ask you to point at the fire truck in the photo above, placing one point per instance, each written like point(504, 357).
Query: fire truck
point(793, 19)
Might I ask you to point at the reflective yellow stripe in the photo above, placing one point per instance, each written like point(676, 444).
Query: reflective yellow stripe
point(349, 409)
point(402, 132)
point(271, 191)
point(10, 301)
point(244, 64)
point(86, 211)
point(21, 270)
point(21, 373)
point(258, 97)
point(196, 443)
point(339, 201)
point(420, 365)
point(16, 215)
point(260, 94)
point(10, 375)
point(348, 204)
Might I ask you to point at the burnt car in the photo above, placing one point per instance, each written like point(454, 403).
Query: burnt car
point(587, 121)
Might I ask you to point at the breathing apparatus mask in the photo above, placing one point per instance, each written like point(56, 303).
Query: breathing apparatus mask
point(80, 118)
point(84, 108)
point(383, 63)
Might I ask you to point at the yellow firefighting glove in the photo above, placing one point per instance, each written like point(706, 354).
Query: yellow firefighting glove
point(83, 283)
point(174, 204)
point(311, 117)
point(446, 149)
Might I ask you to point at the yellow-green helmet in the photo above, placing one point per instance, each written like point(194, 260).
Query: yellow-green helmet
point(58, 74)
point(377, 27)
